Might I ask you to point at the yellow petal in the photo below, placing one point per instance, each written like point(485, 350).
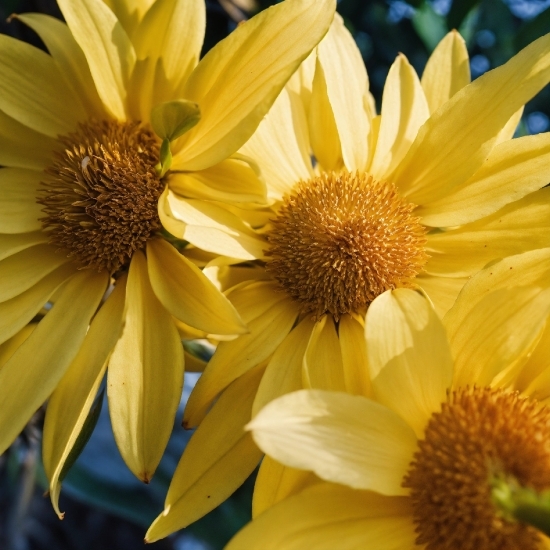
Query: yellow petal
point(107, 48)
point(408, 348)
point(276, 482)
point(17, 312)
point(33, 92)
point(507, 133)
point(354, 356)
point(456, 140)
point(129, 12)
point(447, 70)
point(520, 226)
point(343, 438)
point(442, 291)
point(145, 376)
point(69, 58)
point(19, 211)
point(216, 461)
point(73, 397)
point(173, 32)
point(210, 227)
point(22, 147)
point(497, 331)
point(404, 110)
point(514, 169)
point(187, 294)
point(347, 85)
point(232, 180)
point(329, 516)
point(35, 369)
point(323, 368)
point(12, 244)
point(240, 78)
point(284, 370)
point(280, 145)
point(9, 347)
point(273, 319)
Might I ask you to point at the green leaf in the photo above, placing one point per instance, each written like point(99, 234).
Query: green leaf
point(458, 12)
point(533, 29)
point(429, 26)
point(172, 119)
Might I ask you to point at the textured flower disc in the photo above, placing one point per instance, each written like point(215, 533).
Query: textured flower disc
point(340, 240)
point(479, 434)
point(100, 194)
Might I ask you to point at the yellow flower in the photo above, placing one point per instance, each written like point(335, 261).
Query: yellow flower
point(377, 210)
point(79, 205)
point(412, 467)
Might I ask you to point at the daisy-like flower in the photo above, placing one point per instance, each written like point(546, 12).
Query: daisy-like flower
point(79, 204)
point(421, 196)
point(420, 464)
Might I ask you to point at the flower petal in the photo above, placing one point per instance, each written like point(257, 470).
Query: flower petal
point(409, 351)
point(73, 397)
point(36, 368)
point(450, 147)
point(351, 334)
point(442, 291)
point(514, 169)
point(274, 315)
point(12, 244)
point(329, 516)
point(517, 227)
point(447, 70)
point(404, 110)
point(145, 376)
point(343, 438)
point(36, 96)
point(187, 294)
point(216, 461)
point(107, 48)
point(240, 78)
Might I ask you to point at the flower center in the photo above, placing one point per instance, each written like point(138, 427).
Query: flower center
point(479, 434)
point(100, 194)
point(340, 240)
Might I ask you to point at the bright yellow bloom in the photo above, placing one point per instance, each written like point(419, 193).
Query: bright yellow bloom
point(411, 467)
point(421, 196)
point(79, 205)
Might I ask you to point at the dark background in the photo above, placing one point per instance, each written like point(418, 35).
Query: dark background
point(108, 509)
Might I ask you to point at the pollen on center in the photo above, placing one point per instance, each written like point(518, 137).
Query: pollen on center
point(342, 239)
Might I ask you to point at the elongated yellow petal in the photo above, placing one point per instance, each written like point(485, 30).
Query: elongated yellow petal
point(408, 348)
point(36, 97)
point(497, 332)
point(209, 227)
point(240, 78)
point(354, 356)
point(281, 145)
point(323, 368)
point(534, 378)
point(274, 317)
point(510, 127)
point(347, 85)
point(145, 376)
point(276, 482)
point(129, 12)
point(343, 438)
point(216, 461)
point(19, 211)
point(22, 147)
point(404, 110)
point(186, 292)
point(284, 370)
point(451, 146)
point(107, 48)
point(12, 244)
point(69, 58)
point(514, 169)
point(329, 516)
point(447, 70)
point(33, 372)
point(232, 180)
point(520, 226)
point(17, 312)
point(173, 32)
point(442, 291)
point(8, 348)
point(73, 397)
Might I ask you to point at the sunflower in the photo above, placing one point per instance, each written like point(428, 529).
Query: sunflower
point(421, 196)
point(419, 464)
point(87, 132)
